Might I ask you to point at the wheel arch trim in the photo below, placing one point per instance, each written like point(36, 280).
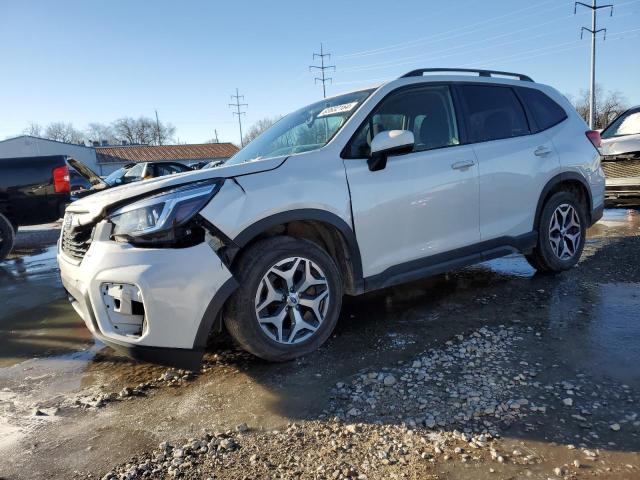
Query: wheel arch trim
point(309, 214)
point(554, 182)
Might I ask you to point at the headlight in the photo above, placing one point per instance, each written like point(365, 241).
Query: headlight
point(164, 211)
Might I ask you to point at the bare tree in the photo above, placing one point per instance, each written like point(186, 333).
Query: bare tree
point(608, 105)
point(34, 129)
point(258, 127)
point(63, 132)
point(124, 130)
point(163, 133)
point(142, 131)
point(97, 132)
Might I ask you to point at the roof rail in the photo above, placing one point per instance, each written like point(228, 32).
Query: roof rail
point(483, 73)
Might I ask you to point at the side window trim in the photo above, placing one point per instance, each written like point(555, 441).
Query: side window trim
point(534, 128)
point(344, 153)
point(460, 112)
point(525, 110)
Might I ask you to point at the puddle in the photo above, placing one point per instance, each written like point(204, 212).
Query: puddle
point(48, 329)
point(600, 330)
point(40, 261)
point(515, 265)
point(625, 220)
point(27, 282)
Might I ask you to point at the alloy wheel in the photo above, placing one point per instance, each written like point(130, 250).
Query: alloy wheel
point(565, 232)
point(292, 300)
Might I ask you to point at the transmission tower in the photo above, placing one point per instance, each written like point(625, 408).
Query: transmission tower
point(237, 97)
point(594, 7)
point(322, 67)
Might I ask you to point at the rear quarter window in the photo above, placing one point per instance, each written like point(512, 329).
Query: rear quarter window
point(546, 113)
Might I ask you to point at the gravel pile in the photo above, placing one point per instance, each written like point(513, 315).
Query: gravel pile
point(172, 460)
point(316, 449)
point(470, 384)
point(483, 383)
point(449, 404)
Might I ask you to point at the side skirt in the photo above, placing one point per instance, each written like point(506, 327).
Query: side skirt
point(447, 261)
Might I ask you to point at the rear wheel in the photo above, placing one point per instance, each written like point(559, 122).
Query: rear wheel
point(561, 234)
point(288, 301)
point(7, 237)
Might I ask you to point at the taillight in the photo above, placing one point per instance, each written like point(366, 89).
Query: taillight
point(61, 182)
point(594, 137)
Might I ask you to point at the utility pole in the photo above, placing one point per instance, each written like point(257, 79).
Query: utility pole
point(594, 32)
point(322, 67)
point(237, 97)
point(158, 129)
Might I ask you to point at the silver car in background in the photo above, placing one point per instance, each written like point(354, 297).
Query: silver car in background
point(621, 156)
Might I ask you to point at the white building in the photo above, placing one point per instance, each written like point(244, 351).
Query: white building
point(28, 146)
point(105, 159)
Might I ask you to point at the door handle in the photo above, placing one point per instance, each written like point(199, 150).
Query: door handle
point(462, 165)
point(542, 151)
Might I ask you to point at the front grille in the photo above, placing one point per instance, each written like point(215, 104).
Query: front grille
point(621, 168)
point(76, 239)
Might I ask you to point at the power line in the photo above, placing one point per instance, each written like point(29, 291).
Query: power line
point(594, 30)
point(409, 60)
point(238, 112)
point(322, 67)
point(525, 55)
point(464, 30)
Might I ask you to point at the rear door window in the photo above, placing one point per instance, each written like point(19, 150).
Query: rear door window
point(545, 111)
point(493, 113)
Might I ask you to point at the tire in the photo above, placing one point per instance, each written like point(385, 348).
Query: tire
point(264, 292)
point(562, 230)
point(7, 237)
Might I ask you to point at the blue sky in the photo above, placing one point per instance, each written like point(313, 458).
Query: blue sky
point(84, 61)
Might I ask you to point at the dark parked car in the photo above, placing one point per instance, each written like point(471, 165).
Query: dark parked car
point(132, 172)
point(33, 190)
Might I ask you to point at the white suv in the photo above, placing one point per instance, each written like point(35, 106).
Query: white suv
point(354, 193)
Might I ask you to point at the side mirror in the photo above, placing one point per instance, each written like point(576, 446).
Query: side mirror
point(390, 142)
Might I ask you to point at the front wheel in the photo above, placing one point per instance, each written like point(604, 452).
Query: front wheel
point(561, 234)
point(7, 237)
point(288, 301)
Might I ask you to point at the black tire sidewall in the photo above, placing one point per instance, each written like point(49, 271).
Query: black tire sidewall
point(240, 317)
point(549, 258)
point(8, 237)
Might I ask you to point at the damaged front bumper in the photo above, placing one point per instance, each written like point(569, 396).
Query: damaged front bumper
point(622, 174)
point(153, 304)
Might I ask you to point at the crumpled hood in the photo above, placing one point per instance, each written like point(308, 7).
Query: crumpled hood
point(88, 209)
point(620, 145)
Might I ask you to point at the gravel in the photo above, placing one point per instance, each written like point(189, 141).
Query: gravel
point(447, 404)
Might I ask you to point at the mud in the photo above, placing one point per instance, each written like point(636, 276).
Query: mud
point(589, 318)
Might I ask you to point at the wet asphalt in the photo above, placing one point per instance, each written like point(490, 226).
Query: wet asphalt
point(589, 318)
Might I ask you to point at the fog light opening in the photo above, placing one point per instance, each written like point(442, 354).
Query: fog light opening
point(125, 308)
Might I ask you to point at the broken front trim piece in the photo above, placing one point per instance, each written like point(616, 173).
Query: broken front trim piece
point(125, 308)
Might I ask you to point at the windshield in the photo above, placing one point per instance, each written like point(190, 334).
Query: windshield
point(304, 130)
point(112, 177)
point(626, 124)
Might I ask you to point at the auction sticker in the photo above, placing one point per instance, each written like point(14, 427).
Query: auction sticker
point(345, 107)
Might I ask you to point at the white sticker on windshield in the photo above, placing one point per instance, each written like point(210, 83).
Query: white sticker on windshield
point(345, 107)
